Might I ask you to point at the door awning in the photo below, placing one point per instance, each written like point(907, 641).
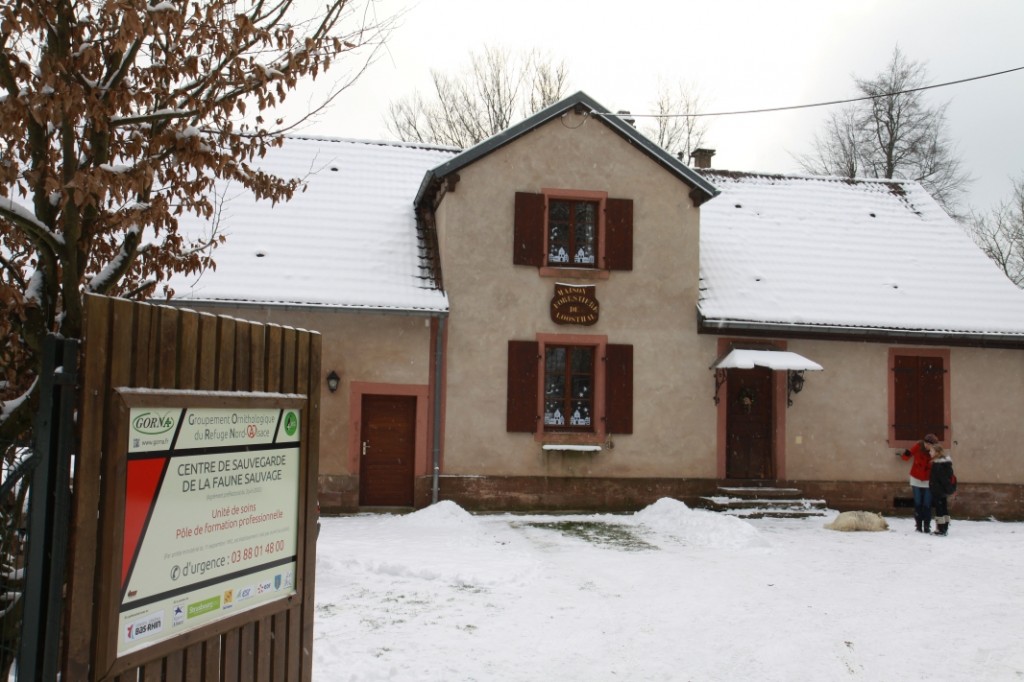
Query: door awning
point(740, 358)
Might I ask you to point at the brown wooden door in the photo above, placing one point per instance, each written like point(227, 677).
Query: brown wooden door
point(749, 424)
point(388, 444)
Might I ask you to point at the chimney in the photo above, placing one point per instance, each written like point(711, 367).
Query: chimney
point(702, 157)
point(624, 115)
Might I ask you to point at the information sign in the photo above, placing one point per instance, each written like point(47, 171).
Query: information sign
point(211, 517)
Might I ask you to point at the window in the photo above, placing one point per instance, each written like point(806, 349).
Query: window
point(572, 233)
point(919, 394)
point(570, 388)
point(573, 229)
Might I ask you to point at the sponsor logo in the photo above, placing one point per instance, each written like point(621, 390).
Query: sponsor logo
point(291, 423)
point(141, 629)
point(201, 607)
point(153, 424)
point(264, 587)
point(229, 599)
point(178, 617)
point(277, 581)
point(247, 592)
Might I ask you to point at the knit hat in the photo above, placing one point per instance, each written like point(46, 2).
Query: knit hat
point(930, 438)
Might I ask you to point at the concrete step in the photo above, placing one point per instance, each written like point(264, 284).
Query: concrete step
point(757, 502)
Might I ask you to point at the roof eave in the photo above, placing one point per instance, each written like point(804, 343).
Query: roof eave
point(306, 307)
point(861, 334)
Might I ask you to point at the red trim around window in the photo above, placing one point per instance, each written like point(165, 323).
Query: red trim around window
point(946, 436)
point(599, 271)
point(599, 343)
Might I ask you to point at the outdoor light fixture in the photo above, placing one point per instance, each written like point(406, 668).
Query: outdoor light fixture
point(332, 381)
point(796, 384)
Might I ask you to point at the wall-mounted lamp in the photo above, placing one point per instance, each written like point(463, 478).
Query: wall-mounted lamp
point(333, 380)
point(796, 384)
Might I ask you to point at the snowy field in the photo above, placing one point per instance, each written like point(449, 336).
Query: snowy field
point(668, 593)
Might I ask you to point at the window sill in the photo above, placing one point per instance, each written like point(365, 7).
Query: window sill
point(552, 447)
point(573, 273)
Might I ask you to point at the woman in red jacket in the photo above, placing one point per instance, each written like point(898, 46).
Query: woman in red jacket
point(920, 475)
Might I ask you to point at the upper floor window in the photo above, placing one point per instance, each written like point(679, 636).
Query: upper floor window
point(584, 230)
point(572, 233)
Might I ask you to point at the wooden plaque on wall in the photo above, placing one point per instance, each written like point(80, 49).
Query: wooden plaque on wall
point(575, 304)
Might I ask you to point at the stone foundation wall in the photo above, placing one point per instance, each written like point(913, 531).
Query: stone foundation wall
point(340, 494)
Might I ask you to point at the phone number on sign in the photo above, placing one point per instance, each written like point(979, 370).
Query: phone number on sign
point(256, 551)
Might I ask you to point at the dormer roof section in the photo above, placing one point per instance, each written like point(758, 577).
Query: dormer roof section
point(580, 103)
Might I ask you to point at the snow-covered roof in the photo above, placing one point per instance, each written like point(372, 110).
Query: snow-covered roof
point(348, 240)
point(800, 252)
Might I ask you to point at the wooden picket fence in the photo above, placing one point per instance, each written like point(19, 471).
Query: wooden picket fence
point(135, 345)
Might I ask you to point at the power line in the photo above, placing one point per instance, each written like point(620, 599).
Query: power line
point(822, 104)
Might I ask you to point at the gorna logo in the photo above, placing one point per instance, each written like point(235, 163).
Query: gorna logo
point(153, 424)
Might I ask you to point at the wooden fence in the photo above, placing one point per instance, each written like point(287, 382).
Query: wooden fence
point(134, 345)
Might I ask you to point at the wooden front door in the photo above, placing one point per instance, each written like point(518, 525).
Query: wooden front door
point(387, 450)
point(749, 418)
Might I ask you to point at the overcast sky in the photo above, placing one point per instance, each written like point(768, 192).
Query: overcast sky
point(739, 54)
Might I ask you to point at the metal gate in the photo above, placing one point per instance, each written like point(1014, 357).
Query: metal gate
point(34, 518)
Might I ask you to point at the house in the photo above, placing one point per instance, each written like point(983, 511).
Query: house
point(565, 316)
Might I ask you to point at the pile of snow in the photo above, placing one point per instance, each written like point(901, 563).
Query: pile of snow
point(440, 516)
point(698, 527)
point(442, 543)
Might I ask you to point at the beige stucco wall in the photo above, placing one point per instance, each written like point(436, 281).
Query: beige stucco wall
point(651, 307)
point(837, 428)
point(379, 348)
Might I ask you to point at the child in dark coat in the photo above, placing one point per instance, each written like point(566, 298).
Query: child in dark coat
point(942, 483)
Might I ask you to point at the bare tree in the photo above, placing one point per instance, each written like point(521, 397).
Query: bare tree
point(116, 118)
point(469, 107)
point(1001, 233)
point(892, 134)
point(675, 129)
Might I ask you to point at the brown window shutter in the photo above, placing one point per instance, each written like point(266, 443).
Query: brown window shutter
point(619, 388)
point(931, 399)
point(619, 235)
point(522, 412)
point(528, 247)
point(905, 398)
point(919, 386)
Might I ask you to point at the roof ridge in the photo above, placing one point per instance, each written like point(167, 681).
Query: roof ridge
point(371, 143)
point(805, 176)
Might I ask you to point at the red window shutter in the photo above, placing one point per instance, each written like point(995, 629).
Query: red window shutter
point(904, 398)
point(522, 408)
point(919, 388)
point(932, 400)
point(619, 388)
point(618, 234)
point(528, 247)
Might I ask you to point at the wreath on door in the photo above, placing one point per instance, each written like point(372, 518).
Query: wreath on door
point(746, 397)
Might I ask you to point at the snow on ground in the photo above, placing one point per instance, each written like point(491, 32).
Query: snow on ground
point(668, 593)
